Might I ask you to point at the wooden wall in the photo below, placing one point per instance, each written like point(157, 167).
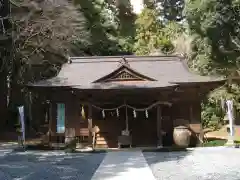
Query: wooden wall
point(144, 129)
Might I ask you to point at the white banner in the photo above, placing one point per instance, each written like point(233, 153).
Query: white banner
point(230, 116)
point(21, 115)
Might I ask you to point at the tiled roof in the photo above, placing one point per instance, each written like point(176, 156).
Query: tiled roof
point(81, 72)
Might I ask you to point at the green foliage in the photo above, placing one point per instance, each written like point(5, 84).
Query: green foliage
point(214, 25)
point(102, 26)
point(42, 36)
point(214, 143)
point(126, 25)
point(46, 33)
point(212, 116)
point(172, 29)
point(172, 9)
point(150, 33)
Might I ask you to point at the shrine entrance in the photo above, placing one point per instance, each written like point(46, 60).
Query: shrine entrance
point(167, 126)
point(138, 125)
point(143, 127)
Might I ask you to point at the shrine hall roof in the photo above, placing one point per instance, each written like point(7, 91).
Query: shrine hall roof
point(98, 72)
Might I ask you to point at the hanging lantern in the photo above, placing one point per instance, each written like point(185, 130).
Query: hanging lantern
point(146, 113)
point(83, 113)
point(117, 111)
point(134, 113)
point(103, 113)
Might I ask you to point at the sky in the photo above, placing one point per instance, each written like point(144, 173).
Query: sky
point(137, 5)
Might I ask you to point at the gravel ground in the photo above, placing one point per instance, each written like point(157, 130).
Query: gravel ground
point(218, 163)
point(49, 166)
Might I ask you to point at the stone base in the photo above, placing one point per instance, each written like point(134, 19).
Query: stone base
point(230, 142)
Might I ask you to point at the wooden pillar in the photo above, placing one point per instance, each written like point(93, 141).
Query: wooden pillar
point(50, 121)
point(126, 118)
point(90, 140)
point(191, 117)
point(159, 125)
point(201, 134)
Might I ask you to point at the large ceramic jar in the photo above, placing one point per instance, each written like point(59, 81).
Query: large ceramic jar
point(181, 136)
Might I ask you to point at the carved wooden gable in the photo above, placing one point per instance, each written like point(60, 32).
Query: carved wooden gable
point(124, 73)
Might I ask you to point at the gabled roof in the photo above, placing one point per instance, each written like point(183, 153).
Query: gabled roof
point(124, 73)
point(150, 71)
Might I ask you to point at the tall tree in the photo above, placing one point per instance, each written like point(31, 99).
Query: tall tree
point(149, 34)
point(215, 26)
point(126, 24)
point(44, 34)
point(102, 26)
point(171, 10)
point(5, 57)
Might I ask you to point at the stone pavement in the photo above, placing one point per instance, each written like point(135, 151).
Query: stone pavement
point(55, 165)
point(6, 148)
point(124, 166)
point(218, 163)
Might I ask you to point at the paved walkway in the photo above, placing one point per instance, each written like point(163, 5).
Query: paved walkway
point(6, 148)
point(124, 166)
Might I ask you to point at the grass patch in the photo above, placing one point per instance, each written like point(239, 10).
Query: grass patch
point(218, 142)
point(214, 143)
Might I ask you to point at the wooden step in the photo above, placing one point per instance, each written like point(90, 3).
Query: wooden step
point(101, 142)
point(101, 146)
point(100, 139)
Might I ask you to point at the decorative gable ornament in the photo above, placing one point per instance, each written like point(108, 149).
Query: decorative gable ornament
point(124, 62)
point(124, 73)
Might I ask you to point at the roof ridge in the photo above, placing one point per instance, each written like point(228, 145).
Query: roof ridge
point(120, 56)
point(97, 59)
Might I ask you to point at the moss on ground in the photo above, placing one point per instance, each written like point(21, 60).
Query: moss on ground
point(217, 142)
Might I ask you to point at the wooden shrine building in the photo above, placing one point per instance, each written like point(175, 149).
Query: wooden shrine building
point(141, 98)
